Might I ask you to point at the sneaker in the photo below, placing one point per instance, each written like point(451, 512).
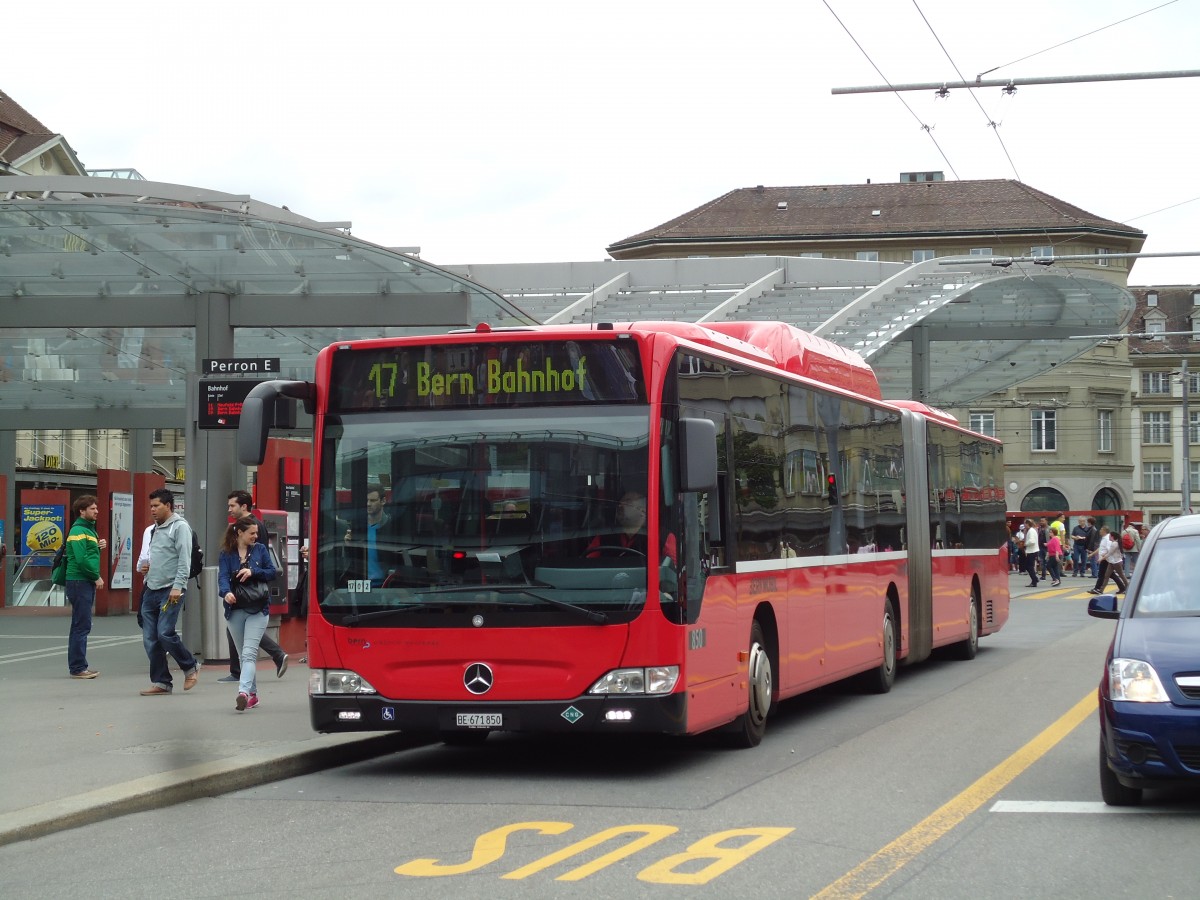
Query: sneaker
point(1093, 591)
point(252, 702)
point(1055, 583)
point(282, 667)
point(86, 673)
point(241, 702)
point(154, 690)
point(230, 678)
point(189, 680)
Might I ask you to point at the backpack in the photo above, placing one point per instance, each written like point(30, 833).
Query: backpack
point(197, 558)
point(1126, 540)
point(58, 568)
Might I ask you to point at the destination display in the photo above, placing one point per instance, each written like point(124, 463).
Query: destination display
point(534, 373)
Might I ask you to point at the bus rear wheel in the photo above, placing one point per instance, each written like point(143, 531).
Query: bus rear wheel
point(748, 729)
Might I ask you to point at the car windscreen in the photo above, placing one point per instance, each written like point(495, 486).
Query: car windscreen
point(1170, 579)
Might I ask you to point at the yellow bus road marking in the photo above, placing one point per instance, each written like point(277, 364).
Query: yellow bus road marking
point(872, 872)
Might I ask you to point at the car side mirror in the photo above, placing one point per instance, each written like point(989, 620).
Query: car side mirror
point(1104, 607)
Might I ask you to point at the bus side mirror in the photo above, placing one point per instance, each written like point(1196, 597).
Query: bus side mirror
point(259, 413)
point(698, 455)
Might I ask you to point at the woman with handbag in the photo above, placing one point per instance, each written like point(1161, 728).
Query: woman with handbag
point(245, 572)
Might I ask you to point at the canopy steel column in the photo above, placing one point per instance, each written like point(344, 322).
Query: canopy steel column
point(920, 363)
point(210, 455)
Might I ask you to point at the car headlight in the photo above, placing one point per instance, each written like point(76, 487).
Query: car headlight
point(337, 681)
point(1135, 680)
point(650, 680)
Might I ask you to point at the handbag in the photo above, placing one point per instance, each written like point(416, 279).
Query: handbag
point(252, 595)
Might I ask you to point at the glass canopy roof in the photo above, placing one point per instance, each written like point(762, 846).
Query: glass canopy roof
point(76, 251)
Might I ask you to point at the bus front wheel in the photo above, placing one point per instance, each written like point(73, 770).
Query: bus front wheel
point(749, 728)
point(880, 679)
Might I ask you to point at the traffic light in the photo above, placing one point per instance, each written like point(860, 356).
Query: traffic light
point(831, 489)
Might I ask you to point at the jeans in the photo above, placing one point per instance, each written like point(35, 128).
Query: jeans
point(1031, 568)
point(247, 629)
point(81, 595)
point(1130, 562)
point(160, 638)
point(269, 647)
point(1078, 559)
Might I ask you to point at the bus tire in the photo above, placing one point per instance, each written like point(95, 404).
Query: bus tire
point(880, 679)
point(748, 729)
point(966, 649)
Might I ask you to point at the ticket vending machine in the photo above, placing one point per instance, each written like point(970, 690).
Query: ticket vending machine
point(276, 541)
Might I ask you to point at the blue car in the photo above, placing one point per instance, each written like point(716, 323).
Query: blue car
point(1150, 692)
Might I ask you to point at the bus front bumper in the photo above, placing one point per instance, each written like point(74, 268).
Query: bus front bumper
point(602, 714)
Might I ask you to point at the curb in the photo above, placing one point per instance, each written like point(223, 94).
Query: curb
point(210, 779)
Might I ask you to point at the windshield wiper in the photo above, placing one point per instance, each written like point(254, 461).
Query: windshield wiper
point(355, 618)
point(589, 614)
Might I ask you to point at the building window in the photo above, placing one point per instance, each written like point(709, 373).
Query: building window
point(1041, 251)
point(1044, 433)
point(1156, 476)
point(1195, 298)
point(1152, 298)
point(920, 256)
point(1156, 382)
point(1193, 427)
point(867, 255)
point(812, 255)
point(1193, 383)
point(159, 440)
point(981, 251)
point(983, 422)
point(1195, 475)
point(1154, 328)
point(1102, 256)
point(1104, 420)
point(1156, 428)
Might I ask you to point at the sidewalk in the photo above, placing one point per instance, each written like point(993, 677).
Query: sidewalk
point(78, 751)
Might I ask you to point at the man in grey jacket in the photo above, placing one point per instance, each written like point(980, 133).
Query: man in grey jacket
point(166, 582)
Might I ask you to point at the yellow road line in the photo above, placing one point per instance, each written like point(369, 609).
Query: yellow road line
point(872, 872)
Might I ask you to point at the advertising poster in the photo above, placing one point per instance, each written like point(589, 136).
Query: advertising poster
point(121, 545)
point(43, 529)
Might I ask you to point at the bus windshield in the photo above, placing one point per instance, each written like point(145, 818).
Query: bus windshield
point(516, 516)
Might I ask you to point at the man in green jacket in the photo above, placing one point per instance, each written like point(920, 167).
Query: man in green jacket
point(83, 578)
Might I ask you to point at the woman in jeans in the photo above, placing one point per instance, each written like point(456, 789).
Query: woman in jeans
point(244, 560)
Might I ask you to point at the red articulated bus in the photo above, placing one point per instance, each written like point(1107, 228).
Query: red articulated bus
point(646, 527)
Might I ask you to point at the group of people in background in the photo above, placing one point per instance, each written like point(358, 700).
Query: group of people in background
point(1039, 549)
point(165, 562)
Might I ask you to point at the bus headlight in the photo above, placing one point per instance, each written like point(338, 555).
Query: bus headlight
point(337, 681)
point(651, 680)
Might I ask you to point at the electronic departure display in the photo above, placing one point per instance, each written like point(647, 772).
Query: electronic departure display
point(527, 373)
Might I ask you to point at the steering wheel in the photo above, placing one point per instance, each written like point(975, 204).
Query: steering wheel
point(616, 550)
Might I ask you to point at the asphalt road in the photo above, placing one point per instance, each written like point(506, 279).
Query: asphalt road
point(970, 779)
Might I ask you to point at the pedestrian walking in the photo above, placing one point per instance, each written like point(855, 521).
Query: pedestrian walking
point(240, 504)
point(166, 571)
point(1131, 546)
point(82, 555)
point(245, 569)
point(1093, 544)
point(1109, 555)
point(1031, 552)
point(1054, 558)
point(1079, 550)
point(1043, 544)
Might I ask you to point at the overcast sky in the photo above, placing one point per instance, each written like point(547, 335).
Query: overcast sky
point(490, 131)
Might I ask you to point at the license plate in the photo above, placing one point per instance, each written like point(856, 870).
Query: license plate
point(479, 720)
